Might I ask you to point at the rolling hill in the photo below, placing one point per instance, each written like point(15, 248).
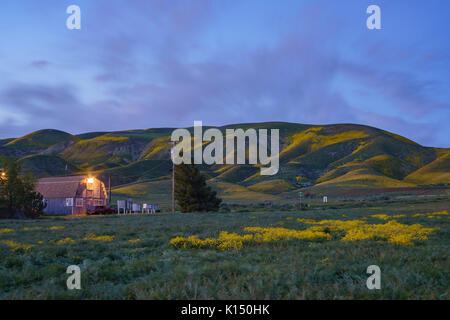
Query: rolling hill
point(312, 157)
point(36, 142)
point(47, 166)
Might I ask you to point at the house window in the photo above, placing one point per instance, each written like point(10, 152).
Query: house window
point(79, 202)
point(89, 193)
point(99, 202)
point(69, 202)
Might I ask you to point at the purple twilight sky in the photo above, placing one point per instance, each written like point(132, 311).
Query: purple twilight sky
point(165, 63)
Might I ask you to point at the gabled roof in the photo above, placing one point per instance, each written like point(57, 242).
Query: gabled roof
point(59, 187)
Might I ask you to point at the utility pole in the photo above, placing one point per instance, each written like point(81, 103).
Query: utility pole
point(172, 151)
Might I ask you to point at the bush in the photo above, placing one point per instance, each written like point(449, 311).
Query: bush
point(191, 191)
point(17, 195)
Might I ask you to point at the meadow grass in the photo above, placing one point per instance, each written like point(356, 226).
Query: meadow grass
point(130, 257)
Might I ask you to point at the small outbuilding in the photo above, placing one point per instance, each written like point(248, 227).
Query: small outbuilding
point(71, 195)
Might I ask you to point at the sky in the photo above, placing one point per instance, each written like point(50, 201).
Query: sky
point(165, 63)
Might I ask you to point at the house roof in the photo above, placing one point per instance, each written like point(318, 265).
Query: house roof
point(59, 187)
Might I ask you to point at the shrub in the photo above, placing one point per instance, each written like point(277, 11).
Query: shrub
point(17, 193)
point(191, 191)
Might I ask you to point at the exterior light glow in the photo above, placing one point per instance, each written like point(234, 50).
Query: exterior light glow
point(90, 180)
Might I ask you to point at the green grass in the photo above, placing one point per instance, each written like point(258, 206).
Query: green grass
point(152, 269)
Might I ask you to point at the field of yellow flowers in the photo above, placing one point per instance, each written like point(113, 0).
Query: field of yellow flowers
point(311, 254)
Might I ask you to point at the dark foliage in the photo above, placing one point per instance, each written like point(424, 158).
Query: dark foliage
point(17, 195)
point(192, 193)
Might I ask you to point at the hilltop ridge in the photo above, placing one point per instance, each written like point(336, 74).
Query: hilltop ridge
point(311, 156)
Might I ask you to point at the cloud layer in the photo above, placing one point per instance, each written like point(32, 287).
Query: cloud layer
point(141, 64)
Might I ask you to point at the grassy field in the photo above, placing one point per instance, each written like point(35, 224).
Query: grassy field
point(131, 257)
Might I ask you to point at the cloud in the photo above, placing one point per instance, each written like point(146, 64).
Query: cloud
point(406, 92)
point(40, 64)
point(154, 64)
point(42, 106)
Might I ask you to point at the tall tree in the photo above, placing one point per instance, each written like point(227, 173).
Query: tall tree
point(17, 192)
point(191, 191)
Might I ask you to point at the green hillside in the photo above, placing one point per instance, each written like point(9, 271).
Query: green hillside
point(436, 172)
point(148, 192)
point(106, 151)
point(47, 166)
point(139, 171)
point(35, 142)
point(314, 157)
point(5, 141)
point(91, 135)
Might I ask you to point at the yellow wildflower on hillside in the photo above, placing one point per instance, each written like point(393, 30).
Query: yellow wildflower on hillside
point(233, 241)
point(194, 242)
point(380, 216)
point(392, 231)
point(6, 230)
point(308, 221)
point(438, 214)
point(334, 225)
point(56, 228)
point(347, 230)
point(387, 217)
point(230, 241)
point(92, 236)
point(134, 240)
point(65, 241)
point(16, 245)
point(32, 228)
point(277, 234)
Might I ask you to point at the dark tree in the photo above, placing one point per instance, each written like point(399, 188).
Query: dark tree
point(192, 193)
point(17, 193)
